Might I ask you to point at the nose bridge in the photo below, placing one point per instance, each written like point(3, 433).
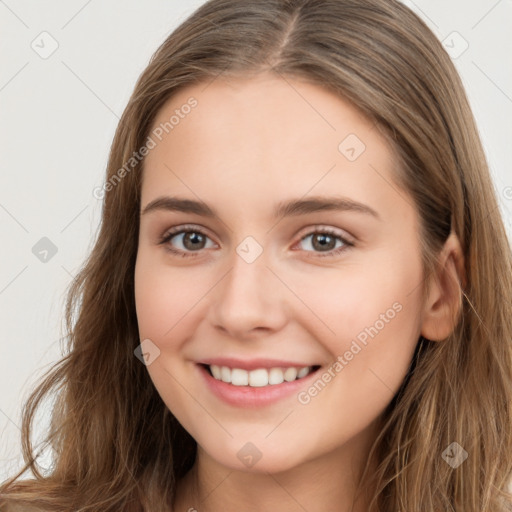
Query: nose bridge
point(248, 297)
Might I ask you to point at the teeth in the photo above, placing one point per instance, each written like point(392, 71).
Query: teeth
point(216, 372)
point(239, 377)
point(290, 374)
point(225, 374)
point(258, 378)
point(275, 376)
point(303, 372)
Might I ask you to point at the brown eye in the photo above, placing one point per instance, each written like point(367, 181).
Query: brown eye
point(325, 241)
point(185, 241)
point(192, 240)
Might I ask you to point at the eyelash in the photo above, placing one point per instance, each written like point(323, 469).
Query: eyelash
point(193, 229)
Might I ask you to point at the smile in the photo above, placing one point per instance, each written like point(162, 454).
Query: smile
point(259, 377)
point(260, 383)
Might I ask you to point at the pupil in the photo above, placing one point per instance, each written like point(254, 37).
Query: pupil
point(322, 241)
point(193, 238)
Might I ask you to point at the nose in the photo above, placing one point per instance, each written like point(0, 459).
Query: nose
point(250, 301)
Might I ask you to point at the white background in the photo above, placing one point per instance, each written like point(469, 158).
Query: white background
point(58, 117)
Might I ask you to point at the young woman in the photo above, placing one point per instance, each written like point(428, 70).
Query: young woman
point(300, 295)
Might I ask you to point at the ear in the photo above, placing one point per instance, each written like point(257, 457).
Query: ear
point(443, 305)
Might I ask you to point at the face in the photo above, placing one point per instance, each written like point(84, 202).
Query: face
point(275, 244)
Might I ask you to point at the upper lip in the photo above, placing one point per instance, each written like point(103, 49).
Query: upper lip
point(253, 364)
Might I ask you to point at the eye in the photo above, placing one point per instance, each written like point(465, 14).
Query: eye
point(190, 238)
point(324, 240)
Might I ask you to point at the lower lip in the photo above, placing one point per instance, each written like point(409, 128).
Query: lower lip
point(252, 397)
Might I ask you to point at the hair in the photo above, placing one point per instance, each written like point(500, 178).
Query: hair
point(115, 444)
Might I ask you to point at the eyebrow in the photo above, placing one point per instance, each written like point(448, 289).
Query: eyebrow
point(289, 208)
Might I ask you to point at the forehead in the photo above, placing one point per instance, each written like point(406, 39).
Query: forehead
point(265, 137)
point(260, 110)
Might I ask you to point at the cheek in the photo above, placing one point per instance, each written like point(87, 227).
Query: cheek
point(165, 298)
point(370, 310)
point(374, 311)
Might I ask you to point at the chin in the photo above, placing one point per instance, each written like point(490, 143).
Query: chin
point(255, 458)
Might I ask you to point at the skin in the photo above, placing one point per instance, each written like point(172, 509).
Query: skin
point(248, 144)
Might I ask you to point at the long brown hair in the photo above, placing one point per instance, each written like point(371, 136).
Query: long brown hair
point(118, 448)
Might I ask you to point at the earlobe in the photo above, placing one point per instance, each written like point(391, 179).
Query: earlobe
point(444, 302)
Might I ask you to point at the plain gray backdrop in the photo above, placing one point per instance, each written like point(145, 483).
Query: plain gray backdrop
point(67, 71)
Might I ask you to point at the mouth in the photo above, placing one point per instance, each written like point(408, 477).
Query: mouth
point(255, 383)
point(258, 377)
